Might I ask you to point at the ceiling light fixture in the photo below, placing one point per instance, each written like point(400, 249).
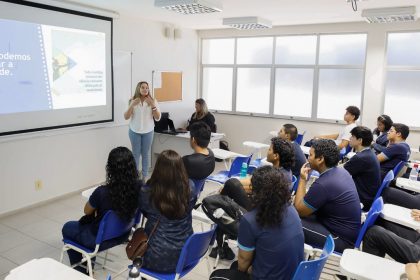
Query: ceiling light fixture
point(247, 23)
point(187, 7)
point(389, 15)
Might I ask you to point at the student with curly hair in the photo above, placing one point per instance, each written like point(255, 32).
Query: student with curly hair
point(270, 236)
point(332, 205)
point(281, 155)
point(167, 199)
point(120, 193)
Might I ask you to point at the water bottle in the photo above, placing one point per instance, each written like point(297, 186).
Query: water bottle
point(244, 170)
point(414, 173)
point(134, 273)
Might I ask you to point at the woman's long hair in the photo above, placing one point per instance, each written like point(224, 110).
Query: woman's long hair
point(122, 179)
point(204, 110)
point(137, 92)
point(270, 195)
point(170, 191)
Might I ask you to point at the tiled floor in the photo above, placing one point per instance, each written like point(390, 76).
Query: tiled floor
point(36, 233)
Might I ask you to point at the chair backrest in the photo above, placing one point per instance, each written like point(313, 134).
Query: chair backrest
point(374, 211)
point(385, 183)
point(299, 138)
point(112, 226)
point(138, 218)
point(312, 269)
point(251, 169)
point(199, 185)
point(235, 168)
point(194, 249)
point(295, 182)
point(398, 168)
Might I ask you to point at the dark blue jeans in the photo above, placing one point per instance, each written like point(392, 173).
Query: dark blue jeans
point(84, 235)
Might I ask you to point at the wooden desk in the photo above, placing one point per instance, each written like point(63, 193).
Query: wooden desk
point(363, 266)
point(399, 215)
point(45, 269)
point(405, 183)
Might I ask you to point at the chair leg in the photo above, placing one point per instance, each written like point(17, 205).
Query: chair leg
point(89, 266)
point(62, 254)
point(105, 259)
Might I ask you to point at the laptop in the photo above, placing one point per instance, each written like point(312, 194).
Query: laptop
point(172, 129)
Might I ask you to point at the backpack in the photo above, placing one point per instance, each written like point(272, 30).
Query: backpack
point(225, 212)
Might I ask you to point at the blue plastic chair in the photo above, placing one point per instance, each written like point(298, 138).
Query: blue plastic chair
point(373, 214)
point(198, 185)
point(111, 226)
point(311, 270)
point(235, 169)
point(344, 151)
point(195, 248)
point(251, 169)
point(299, 138)
point(398, 168)
point(385, 183)
point(295, 182)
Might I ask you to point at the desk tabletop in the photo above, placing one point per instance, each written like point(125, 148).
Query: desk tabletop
point(45, 269)
point(255, 145)
point(87, 193)
point(363, 266)
point(399, 215)
point(223, 154)
point(405, 183)
point(305, 149)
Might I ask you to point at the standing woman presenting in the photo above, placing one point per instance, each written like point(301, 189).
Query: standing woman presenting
point(142, 109)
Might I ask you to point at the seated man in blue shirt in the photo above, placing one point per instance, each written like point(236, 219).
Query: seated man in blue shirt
point(397, 150)
point(270, 238)
point(363, 166)
point(331, 205)
point(289, 133)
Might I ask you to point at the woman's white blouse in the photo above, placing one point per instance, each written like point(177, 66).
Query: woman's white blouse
point(142, 119)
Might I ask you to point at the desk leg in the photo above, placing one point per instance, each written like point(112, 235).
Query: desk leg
point(226, 164)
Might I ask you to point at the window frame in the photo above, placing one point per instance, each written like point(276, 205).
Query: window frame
point(401, 68)
point(316, 67)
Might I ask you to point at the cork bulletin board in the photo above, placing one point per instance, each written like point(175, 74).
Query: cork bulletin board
point(167, 85)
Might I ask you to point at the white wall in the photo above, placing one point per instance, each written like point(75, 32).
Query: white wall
point(241, 128)
point(73, 159)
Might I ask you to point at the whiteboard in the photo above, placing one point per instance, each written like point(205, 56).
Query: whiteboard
point(122, 84)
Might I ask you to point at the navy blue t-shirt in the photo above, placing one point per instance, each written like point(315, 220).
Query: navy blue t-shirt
point(300, 159)
point(365, 170)
point(394, 153)
point(333, 198)
point(101, 201)
point(278, 250)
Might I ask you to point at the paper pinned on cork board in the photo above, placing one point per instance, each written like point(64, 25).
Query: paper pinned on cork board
point(157, 79)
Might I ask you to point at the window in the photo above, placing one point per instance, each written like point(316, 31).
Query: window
point(217, 88)
point(402, 96)
point(305, 76)
point(253, 90)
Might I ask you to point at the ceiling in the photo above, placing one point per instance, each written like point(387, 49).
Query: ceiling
point(279, 12)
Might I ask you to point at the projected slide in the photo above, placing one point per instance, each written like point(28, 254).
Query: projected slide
point(44, 67)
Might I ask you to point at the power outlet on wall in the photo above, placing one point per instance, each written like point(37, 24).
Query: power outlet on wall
point(38, 185)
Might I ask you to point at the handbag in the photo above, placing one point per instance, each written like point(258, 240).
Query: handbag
point(137, 246)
